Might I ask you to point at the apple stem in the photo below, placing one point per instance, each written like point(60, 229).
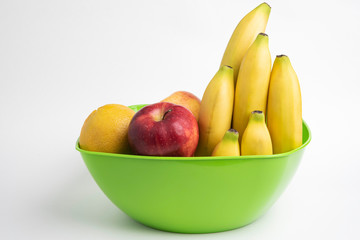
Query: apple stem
point(166, 113)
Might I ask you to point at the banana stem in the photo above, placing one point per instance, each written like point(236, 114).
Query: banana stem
point(257, 116)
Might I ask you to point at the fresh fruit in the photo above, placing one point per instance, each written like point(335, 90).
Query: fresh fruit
point(229, 144)
point(243, 36)
point(253, 83)
point(256, 139)
point(215, 110)
point(284, 111)
point(164, 129)
point(105, 129)
point(185, 99)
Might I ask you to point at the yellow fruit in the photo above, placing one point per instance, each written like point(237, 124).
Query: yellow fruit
point(215, 111)
point(105, 129)
point(253, 83)
point(256, 139)
point(229, 144)
point(244, 35)
point(284, 113)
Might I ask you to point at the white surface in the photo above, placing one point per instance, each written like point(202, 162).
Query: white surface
point(59, 60)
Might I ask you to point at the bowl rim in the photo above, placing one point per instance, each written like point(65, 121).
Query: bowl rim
point(196, 158)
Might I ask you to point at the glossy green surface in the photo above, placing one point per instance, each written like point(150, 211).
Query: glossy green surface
point(194, 194)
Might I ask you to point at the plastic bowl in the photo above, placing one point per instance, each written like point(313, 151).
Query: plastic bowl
point(194, 194)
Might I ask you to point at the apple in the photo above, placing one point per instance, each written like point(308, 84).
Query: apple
point(185, 99)
point(163, 129)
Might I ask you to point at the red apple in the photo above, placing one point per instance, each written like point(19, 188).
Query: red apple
point(163, 129)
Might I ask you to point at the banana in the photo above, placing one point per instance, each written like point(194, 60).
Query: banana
point(253, 83)
point(256, 139)
point(215, 110)
point(284, 111)
point(244, 35)
point(229, 144)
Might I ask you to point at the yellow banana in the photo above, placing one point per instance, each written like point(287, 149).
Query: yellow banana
point(229, 144)
point(215, 110)
point(244, 35)
point(253, 83)
point(256, 139)
point(284, 112)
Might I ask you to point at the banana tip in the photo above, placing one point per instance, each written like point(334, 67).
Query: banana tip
point(281, 55)
point(233, 130)
point(267, 4)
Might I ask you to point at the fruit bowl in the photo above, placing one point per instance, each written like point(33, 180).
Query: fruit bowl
point(194, 194)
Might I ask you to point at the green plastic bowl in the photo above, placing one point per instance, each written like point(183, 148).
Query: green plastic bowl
point(194, 194)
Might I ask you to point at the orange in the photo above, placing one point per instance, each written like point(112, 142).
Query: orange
point(106, 129)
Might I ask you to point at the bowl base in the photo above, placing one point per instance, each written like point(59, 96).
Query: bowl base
point(184, 231)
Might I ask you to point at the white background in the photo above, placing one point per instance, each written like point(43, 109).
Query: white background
point(59, 60)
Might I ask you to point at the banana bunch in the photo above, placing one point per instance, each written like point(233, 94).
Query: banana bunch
point(251, 106)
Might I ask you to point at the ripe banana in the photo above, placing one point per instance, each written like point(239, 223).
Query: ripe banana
point(229, 144)
point(253, 83)
point(244, 35)
point(256, 139)
point(215, 110)
point(284, 111)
